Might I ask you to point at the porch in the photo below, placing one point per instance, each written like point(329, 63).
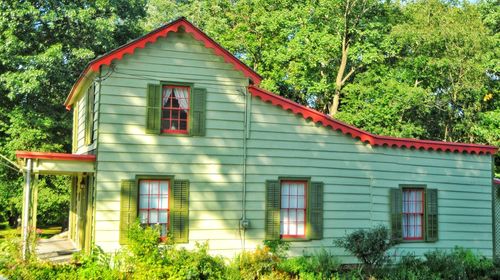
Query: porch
point(80, 231)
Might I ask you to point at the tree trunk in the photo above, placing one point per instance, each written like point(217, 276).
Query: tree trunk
point(339, 82)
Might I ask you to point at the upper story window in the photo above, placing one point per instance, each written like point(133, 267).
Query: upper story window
point(413, 214)
point(153, 203)
point(293, 209)
point(175, 109)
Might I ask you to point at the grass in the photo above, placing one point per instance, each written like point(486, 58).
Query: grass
point(46, 232)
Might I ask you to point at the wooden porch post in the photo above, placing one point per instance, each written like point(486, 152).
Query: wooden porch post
point(26, 209)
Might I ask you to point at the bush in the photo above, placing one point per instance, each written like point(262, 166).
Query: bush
point(321, 265)
point(255, 264)
point(458, 264)
point(369, 246)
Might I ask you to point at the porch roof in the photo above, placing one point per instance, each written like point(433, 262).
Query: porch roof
point(46, 163)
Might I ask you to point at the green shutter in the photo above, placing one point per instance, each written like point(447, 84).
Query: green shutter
point(179, 211)
point(198, 112)
point(128, 208)
point(89, 117)
point(431, 212)
point(273, 208)
point(153, 109)
point(315, 209)
point(397, 214)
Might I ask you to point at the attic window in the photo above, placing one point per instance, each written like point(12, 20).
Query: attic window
point(175, 109)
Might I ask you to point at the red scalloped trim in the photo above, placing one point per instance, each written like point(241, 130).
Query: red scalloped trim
point(54, 156)
point(152, 37)
point(364, 136)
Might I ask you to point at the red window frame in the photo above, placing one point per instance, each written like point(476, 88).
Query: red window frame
point(158, 197)
point(297, 209)
point(170, 119)
point(408, 215)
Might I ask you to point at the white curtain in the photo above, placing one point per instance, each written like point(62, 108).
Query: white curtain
point(166, 95)
point(182, 97)
point(412, 217)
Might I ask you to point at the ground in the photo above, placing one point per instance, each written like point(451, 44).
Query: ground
point(46, 232)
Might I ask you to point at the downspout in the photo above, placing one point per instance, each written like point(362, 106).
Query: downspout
point(244, 222)
point(26, 213)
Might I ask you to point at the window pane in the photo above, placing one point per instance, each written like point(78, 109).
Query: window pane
point(143, 187)
point(284, 216)
point(143, 216)
point(293, 202)
point(301, 202)
point(300, 189)
point(163, 217)
point(183, 125)
point(284, 201)
point(155, 187)
point(292, 229)
point(143, 202)
point(164, 187)
point(175, 114)
point(300, 216)
point(165, 124)
point(153, 217)
point(164, 202)
point(153, 202)
point(300, 229)
point(284, 189)
point(293, 215)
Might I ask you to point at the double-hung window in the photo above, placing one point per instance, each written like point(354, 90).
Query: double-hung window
point(293, 209)
point(161, 201)
point(413, 214)
point(175, 109)
point(153, 204)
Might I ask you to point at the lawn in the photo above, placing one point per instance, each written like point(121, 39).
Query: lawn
point(46, 232)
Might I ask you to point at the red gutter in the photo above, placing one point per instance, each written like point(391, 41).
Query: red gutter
point(152, 37)
point(364, 136)
point(54, 156)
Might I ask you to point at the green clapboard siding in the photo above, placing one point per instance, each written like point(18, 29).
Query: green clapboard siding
point(358, 180)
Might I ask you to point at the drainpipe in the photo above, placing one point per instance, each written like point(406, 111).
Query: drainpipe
point(26, 206)
point(244, 222)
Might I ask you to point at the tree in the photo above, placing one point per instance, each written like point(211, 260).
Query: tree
point(46, 44)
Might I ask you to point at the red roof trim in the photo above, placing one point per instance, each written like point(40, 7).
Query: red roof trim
point(152, 37)
point(54, 156)
point(364, 136)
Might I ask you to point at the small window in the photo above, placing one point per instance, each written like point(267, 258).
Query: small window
point(293, 209)
point(153, 204)
point(175, 109)
point(413, 214)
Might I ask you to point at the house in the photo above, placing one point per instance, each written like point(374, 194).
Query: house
point(173, 130)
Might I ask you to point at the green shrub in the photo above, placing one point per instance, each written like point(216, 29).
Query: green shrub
point(195, 264)
point(321, 265)
point(256, 264)
point(369, 246)
point(459, 263)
